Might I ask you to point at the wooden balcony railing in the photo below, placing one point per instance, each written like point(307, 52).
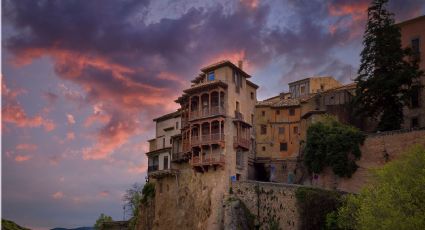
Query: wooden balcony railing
point(207, 139)
point(178, 156)
point(215, 110)
point(185, 146)
point(208, 159)
point(238, 116)
point(241, 142)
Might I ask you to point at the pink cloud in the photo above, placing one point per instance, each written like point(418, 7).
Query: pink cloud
point(104, 194)
point(70, 118)
point(138, 169)
point(70, 136)
point(12, 112)
point(58, 195)
point(22, 158)
point(26, 147)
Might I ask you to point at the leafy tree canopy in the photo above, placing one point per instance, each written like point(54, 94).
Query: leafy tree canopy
point(331, 143)
point(395, 200)
point(102, 218)
point(387, 72)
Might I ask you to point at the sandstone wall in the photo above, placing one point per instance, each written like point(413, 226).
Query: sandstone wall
point(376, 151)
point(269, 201)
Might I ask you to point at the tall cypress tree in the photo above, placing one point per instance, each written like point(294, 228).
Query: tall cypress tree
point(386, 74)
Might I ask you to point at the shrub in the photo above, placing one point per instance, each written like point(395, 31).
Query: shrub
point(330, 143)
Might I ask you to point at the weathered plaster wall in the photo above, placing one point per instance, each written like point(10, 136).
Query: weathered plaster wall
point(269, 201)
point(373, 155)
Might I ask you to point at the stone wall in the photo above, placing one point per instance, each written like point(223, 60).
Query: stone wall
point(269, 202)
point(376, 151)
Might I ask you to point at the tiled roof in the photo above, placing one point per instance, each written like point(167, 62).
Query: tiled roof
point(280, 103)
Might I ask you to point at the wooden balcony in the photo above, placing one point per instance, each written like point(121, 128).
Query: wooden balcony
point(179, 157)
point(241, 142)
point(186, 146)
point(214, 138)
point(239, 116)
point(214, 111)
point(208, 160)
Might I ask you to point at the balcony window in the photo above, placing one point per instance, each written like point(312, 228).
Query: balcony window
point(211, 76)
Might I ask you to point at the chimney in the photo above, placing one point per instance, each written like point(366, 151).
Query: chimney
point(240, 64)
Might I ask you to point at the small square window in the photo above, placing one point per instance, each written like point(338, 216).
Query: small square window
point(291, 111)
point(211, 76)
point(264, 148)
point(283, 146)
point(281, 130)
point(263, 129)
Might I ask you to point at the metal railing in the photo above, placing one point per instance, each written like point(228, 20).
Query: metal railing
point(153, 168)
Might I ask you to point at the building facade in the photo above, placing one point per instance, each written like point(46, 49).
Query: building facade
point(308, 86)
point(413, 36)
point(160, 154)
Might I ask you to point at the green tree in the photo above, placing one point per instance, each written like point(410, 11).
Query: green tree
point(136, 196)
point(102, 218)
point(330, 143)
point(386, 74)
point(395, 200)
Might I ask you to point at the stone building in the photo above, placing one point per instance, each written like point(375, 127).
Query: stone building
point(208, 143)
point(159, 155)
point(413, 36)
point(308, 86)
point(279, 124)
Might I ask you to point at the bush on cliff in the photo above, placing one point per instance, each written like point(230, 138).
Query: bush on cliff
point(136, 196)
point(395, 199)
point(314, 205)
point(331, 143)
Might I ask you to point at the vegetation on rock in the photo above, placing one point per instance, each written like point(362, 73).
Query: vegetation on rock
point(315, 205)
point(102, 218)
point(386, 74)
point(330, 143)
point(135, 197)
point(395, 200)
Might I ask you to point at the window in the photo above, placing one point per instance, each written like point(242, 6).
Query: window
point(281, 130)
point(263, 129)
point(296, 129)
point(165, 162)
point(263, 113)
point(163, 142)
point(322, 87)
point(283, 146)
point(291, 112)
point(239, 159)
point(211, 76)
point(277, 112)
point(264, 148)
point(237, 106)
point(171, 141)
point(302, 89)
point(238, 176)
point(252, 119)
point(177, 125)
point(252, 95)
point(415, 46)
point(415, 98)
point(415, 122)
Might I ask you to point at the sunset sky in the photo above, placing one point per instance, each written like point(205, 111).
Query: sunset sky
point(83, 79)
